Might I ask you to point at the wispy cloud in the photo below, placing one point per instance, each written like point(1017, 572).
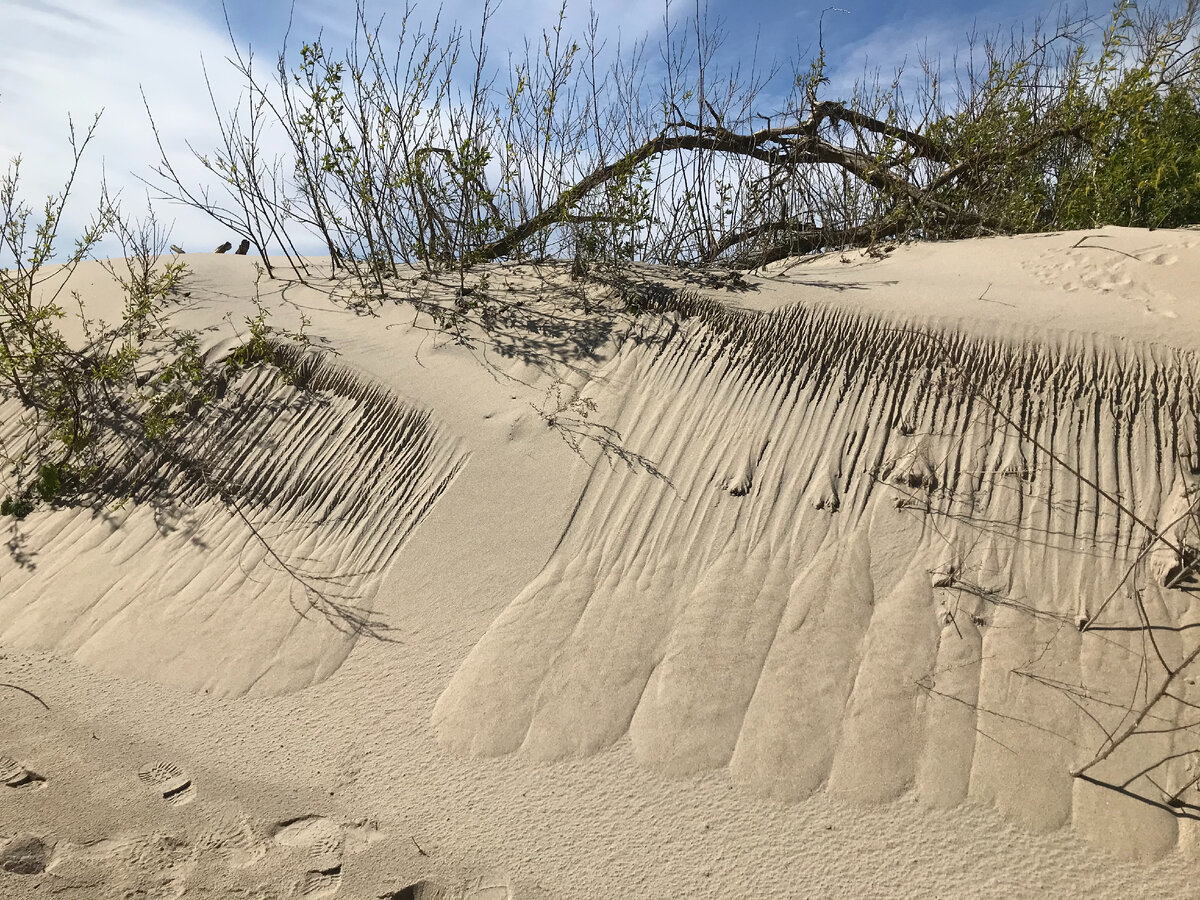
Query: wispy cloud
point(73, 60)
point(901, 41)
point(512, 21)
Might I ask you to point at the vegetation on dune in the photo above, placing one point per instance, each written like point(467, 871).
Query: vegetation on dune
point(1061, 141)
point(404, 157)
point(115, 392)
point(427, 154)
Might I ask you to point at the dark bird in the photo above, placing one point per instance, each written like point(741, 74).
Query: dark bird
point(243, 248)
point(224, 248)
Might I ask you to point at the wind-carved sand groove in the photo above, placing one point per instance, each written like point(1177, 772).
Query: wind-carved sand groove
point(857, 576)
point(331, 474)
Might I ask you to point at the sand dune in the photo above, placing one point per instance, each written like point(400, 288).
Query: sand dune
point(859, 572)
point(189, 591)
point(574, 602)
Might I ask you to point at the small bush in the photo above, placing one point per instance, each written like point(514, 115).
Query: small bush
point(133, 383)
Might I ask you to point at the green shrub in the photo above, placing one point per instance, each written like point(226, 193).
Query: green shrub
point(136, 382)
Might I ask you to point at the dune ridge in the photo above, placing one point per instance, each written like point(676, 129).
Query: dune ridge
point(856, 569)
point(269, 531)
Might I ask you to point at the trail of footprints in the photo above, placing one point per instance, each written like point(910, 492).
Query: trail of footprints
point(1096, 267)
point(130, 862)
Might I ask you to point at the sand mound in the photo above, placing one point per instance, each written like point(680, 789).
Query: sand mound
point(250, 566)
point(863, 564)
point(820, 581)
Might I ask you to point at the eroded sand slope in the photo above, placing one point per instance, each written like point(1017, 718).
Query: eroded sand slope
point(820, 582)
point(861, 564)
point(185, 586)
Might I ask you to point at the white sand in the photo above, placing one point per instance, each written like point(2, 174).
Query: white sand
point(791, 611)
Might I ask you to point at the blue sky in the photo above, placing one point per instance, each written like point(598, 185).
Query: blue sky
point(76, 57)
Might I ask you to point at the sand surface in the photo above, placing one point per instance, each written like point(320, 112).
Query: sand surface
point(813, 585)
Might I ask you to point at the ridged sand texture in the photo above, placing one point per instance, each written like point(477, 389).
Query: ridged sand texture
point(861, 566)
point(333, 473)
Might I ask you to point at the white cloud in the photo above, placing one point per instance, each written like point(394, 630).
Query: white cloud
point(74, 58)
point(902, 40)
point(78, 57)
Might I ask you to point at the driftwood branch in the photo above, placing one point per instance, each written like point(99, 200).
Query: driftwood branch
point(784, 149)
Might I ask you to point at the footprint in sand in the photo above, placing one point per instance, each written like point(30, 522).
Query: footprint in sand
point(488, 891)
point(16, 776)
point(316, 884)
point(234, 842)
point(324, 875)
point(26, 854)
point(422, 890)
point(325, 842)
point(479, 889)
point(1158, 259)
point(170, 781)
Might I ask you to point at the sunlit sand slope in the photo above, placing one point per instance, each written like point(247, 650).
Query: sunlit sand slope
point(869, 557)
point(257, 575)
